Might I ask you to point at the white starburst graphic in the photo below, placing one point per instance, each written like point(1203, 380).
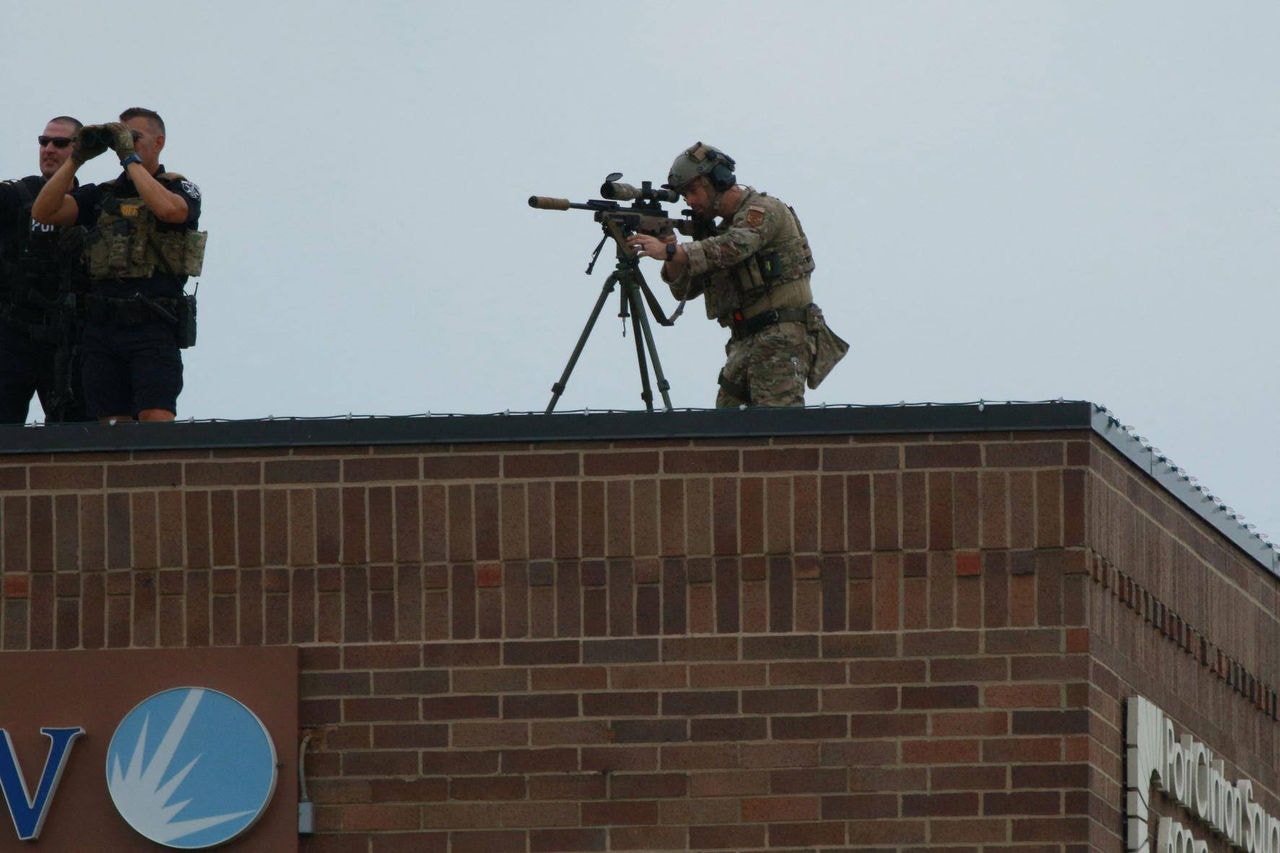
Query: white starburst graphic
point(142, 794)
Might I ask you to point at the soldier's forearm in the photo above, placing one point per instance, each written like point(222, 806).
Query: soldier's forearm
point(677, 265)
point(168, 206)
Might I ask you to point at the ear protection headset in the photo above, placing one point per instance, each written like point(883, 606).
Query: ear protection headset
point(722, 165)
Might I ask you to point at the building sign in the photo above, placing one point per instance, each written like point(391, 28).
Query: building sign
point(28, 810)
point(191, 768)
point(1187, 771)
point(103, 746)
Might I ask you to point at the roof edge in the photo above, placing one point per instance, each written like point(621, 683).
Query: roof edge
point(980, 416)
point(1186, 489)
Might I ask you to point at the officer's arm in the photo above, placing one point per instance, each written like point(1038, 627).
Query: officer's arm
point(167, 205)
point(54, 205)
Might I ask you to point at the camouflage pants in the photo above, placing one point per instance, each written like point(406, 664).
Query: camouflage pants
point(767, 369)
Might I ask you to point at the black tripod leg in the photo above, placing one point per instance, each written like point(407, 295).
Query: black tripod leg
point(631, 302)
point(641, 322)
point(558, 388)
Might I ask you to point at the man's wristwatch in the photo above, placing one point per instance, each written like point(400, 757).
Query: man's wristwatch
point(132, 158)
point(671, 251)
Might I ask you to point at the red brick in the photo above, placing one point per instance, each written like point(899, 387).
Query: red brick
point(222, 474)
point(628, 812)
point(520, 466)
point(565, 840)
point(860, 807)
point(806, 834)
point(66, 477)
point(727, 837)
point(301, 471)
point(136, 475)
point(776, 809)
point(943, 456)
point(406, 468)
point(615, 464)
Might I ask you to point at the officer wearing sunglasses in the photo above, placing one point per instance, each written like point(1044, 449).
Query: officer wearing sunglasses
point(38, 330)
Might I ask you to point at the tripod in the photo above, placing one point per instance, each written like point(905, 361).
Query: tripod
point(626, 273)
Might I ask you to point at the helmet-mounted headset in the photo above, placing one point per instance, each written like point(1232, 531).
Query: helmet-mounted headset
point(702, 160)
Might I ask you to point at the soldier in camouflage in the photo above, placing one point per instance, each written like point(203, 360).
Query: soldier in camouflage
point(752, 271)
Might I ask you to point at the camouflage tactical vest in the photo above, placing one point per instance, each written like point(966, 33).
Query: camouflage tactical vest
point(784, 259)
point(127, 244)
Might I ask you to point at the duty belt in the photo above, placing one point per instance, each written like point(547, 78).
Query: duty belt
point(742, 328)
point(131, 310)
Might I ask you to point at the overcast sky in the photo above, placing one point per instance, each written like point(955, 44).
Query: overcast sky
point(1015, 200)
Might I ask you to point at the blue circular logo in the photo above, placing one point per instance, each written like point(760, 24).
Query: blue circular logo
point(191, 768)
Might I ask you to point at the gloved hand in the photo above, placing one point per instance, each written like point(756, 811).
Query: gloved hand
point(121, 138)
point(89, 142)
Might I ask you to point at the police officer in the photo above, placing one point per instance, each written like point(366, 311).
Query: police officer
point(38, 330)
point(141, 246)
point(752, 270)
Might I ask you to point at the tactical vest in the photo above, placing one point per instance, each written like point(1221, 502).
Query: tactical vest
point(14, 242)
point(787, 258)
point(40, 269)
point(126, 242)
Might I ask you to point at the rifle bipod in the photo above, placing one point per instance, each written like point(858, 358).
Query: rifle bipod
point(627, 274)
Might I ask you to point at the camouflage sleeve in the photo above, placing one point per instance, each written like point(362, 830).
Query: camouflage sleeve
point(753, 227)
point(685, 286)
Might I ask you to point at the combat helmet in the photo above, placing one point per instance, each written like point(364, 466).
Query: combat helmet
point(699, 159)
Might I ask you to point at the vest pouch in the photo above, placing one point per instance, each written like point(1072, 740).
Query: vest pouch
point(108, 253)
point(141, 228)
point(720, 295)
point(828, 347)
point(193, 263)
point(751, 283)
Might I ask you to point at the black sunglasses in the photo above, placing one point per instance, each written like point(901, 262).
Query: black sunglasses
point(58, 141)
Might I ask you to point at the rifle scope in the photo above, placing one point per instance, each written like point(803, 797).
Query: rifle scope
point(615, 189)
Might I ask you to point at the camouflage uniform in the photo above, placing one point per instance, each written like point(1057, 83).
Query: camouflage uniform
point(753, 273)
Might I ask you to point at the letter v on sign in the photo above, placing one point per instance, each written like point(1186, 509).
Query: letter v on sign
point(28, 812)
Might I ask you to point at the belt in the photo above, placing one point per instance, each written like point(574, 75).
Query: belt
point(745, 327)
point(130, 310)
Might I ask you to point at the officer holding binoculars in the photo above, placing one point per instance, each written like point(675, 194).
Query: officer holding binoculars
point(142, 244)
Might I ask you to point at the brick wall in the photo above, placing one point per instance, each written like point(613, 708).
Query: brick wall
point(792, 644)
point(1179, 615)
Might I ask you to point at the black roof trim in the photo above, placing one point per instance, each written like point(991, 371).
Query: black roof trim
point(1184, 487)
point(917, 418)
point(560, 426)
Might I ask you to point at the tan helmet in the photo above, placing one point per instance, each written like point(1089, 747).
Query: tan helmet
point(699, 159)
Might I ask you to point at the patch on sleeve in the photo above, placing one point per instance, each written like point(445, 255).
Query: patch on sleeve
point(191, 189)
point(755, 217)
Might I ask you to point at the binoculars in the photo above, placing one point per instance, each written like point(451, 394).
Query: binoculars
point(93, 135)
